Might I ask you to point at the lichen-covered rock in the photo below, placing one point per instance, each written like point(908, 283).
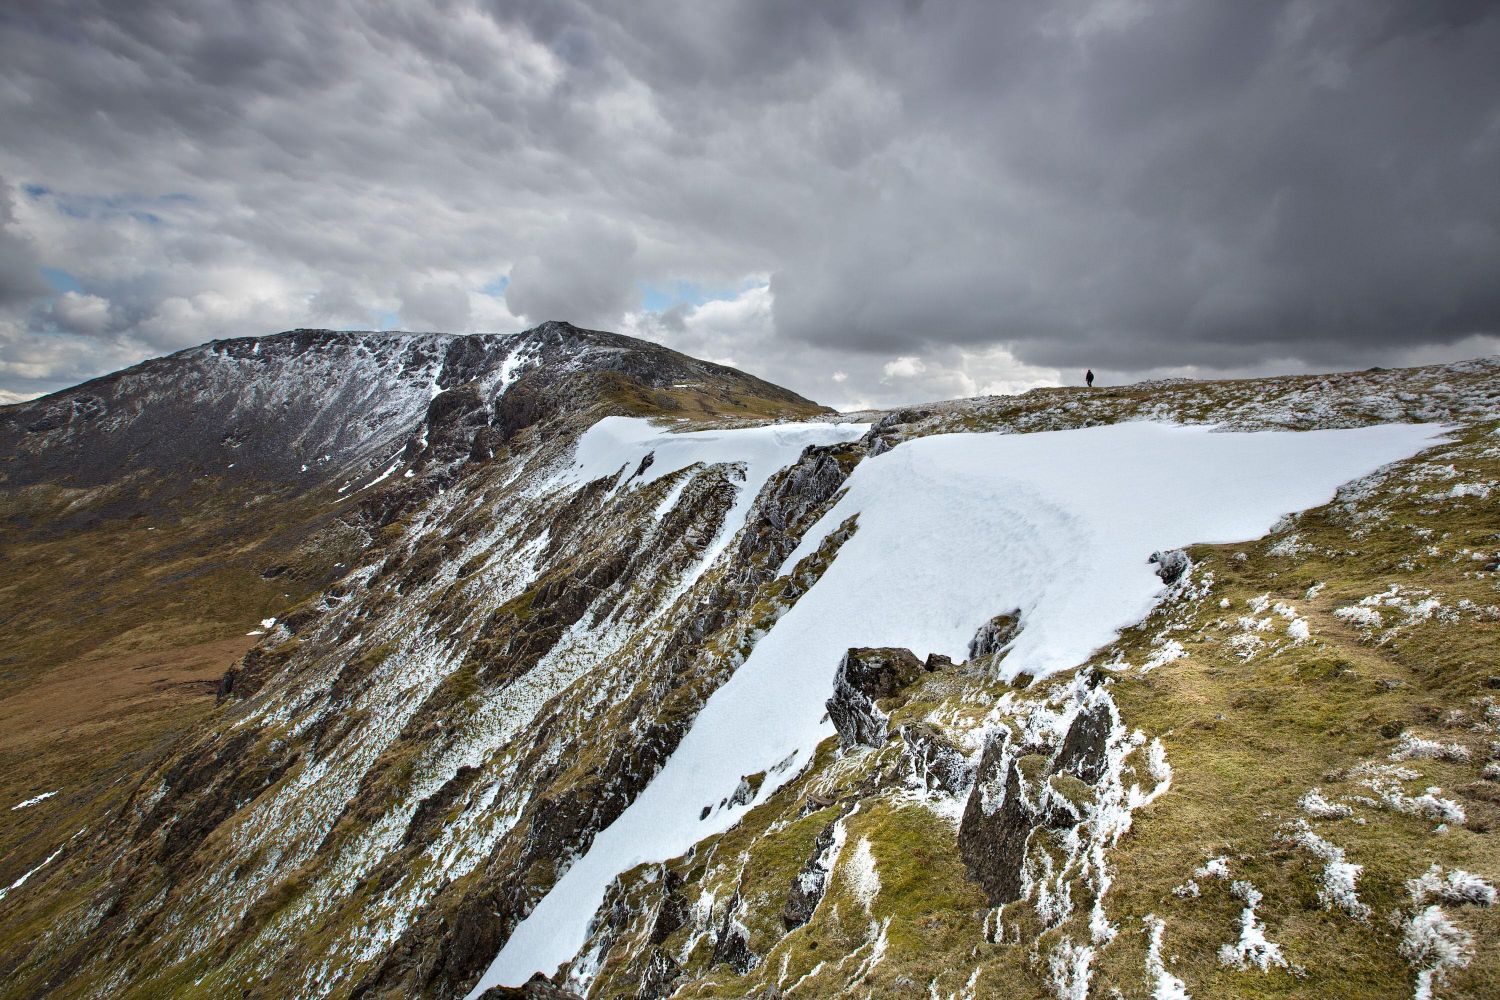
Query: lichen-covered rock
point(863, 676)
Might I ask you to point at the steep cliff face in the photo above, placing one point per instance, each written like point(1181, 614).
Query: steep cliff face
point(562, 700)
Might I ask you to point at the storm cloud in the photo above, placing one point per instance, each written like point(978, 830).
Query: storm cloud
point(871, 202)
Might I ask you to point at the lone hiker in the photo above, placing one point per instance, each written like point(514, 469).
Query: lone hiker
point(1089, 378)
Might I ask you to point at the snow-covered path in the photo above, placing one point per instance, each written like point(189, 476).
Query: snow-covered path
point(954, 529)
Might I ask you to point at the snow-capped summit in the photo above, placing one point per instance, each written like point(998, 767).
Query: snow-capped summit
point(304, 406)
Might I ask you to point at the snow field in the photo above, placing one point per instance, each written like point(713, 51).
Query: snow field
point(952, 529)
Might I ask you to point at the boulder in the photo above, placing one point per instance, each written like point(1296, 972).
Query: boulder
point(1082, 753)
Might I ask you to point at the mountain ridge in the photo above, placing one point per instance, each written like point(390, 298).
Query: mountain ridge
point(471, 673)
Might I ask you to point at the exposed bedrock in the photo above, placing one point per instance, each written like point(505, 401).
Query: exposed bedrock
point(865, 675)
point(1171, 565)
point(1018, 789)
point(449, 943)
point(887, 432)
point(811, 882)
point(996, 635)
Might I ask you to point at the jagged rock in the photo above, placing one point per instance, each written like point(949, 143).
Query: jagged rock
point(996, 826)
point(539, 987)
point(454, 418)
point(790, 502)
point(742, 794)
point(933, 762)
point(886, 432)
point(732, 944)
point(1083, 749)
point(865, 674)
point(674, 910)
point(745, 791)
point(812, 880)
point(661, 974)
point(427, 820)
point(995, 635)
point(1170, 565)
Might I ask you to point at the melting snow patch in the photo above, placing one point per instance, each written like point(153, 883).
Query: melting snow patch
point(27, 803)
point(1430, 940)
point(1458, 888)
point(1071, 966)
point(1165, 986)
point(22, 880)
point(1362, 617)
point(866, 878)
point(1214, 868)
point(1253, 947)
point(1337, 888)
point(1414, 747)
point(1165, 653)
point(1318, 807)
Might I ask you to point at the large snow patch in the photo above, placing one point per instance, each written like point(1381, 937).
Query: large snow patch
point(954, 529)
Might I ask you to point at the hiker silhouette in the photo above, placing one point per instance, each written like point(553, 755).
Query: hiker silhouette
point(1089, 378)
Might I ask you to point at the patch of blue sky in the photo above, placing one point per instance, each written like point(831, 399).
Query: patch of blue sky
point(661, 297)
point(61, 281)
point(142, 208)
point(496, 289)
point(387, 321)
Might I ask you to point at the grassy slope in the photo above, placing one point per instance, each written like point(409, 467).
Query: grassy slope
point(117, 631)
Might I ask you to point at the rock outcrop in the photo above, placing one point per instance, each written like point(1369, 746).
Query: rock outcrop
point(995, 636)
point(1171, 565)
point(887, 432)
point(1019, 789)
point(863, 677)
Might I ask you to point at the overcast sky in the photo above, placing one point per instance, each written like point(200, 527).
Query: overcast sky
point(872, 201)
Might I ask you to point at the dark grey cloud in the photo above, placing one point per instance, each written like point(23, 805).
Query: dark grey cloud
point(870, 201)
